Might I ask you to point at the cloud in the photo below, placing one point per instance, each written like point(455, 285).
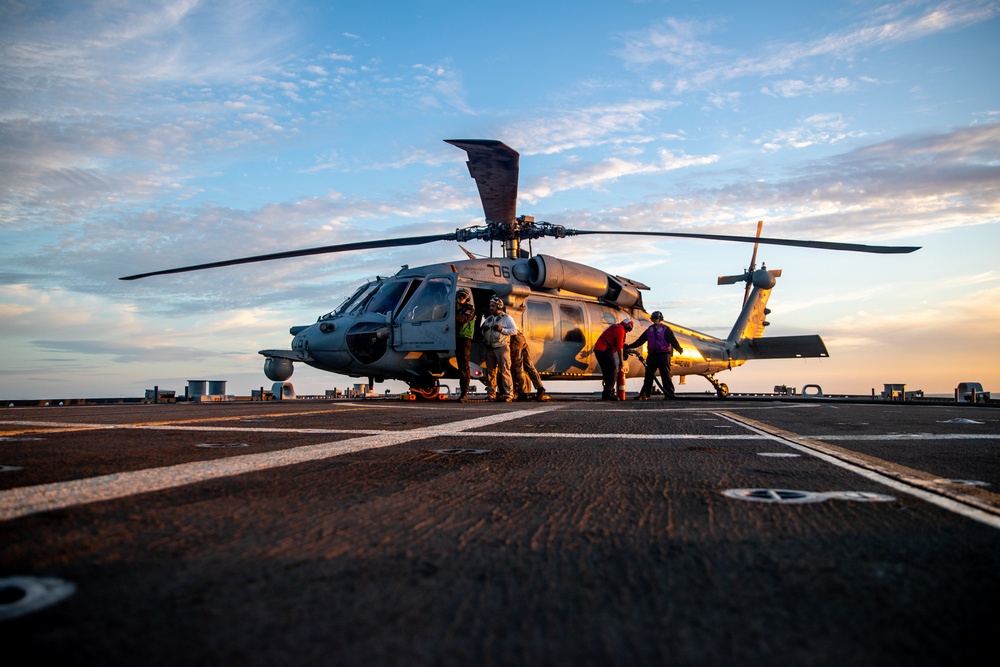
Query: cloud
point(128, 47)
point(674, 41)
point(799, 87)
point(125, 353)
point(700, 64)
point(617, 124)
point(919, 183)
point(597, 174)
point(825, 129)
point(971, 315)
point(440, 85)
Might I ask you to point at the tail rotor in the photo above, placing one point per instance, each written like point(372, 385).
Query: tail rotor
point(763, 278)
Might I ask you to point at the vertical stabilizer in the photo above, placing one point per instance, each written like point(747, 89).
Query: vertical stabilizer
point(753, 317)
point(746, 340)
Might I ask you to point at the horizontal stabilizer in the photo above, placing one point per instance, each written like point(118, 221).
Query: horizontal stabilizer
point(293, 355)
point(788, 347)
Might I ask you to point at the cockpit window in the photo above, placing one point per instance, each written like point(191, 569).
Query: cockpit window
point(352, 302)
point(430, 302)
point(387, 297)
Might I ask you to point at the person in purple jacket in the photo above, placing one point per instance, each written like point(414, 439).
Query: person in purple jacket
point(661, 343)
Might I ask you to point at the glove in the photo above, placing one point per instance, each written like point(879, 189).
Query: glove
point(497, 327)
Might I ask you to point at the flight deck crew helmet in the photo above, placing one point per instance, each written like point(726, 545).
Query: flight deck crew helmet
point(657, 316)
point(462, 293)
point(628, 323)
point(496, 302)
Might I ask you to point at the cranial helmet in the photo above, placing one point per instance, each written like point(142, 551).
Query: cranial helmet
point(463, 292)
point(628, 323)
point(497, 302)
point(657, 315)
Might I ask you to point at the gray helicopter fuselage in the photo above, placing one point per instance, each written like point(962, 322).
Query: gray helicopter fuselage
point(403, 327)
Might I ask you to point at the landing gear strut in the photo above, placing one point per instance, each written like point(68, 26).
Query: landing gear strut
point(720, 387)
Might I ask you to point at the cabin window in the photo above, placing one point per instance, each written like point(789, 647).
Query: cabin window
point(571, 322)
point(538, 321)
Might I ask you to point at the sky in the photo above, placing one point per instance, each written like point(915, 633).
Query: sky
point(137, 136)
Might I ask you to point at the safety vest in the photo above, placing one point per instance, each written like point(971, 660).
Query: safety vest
point(495, 338)
point(656, 338)
point(465, 328)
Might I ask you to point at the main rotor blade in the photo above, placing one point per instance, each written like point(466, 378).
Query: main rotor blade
point(494, 165)
point(343, 247)
point(823, 245)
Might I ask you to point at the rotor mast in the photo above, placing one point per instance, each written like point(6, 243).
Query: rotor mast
point(512, 245)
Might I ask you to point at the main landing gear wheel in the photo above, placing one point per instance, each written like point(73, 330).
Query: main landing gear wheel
point(426, 392)
point(720, 387)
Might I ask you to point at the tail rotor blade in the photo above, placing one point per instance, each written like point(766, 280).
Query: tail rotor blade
point(753, 262)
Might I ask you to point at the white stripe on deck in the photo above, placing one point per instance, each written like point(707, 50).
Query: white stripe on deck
point(60, 495)
point(917, 489)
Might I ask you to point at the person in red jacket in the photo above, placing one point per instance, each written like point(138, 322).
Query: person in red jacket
point(608, 350)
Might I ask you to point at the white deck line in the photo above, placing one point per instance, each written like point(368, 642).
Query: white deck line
point(923, 494)
point(29, 500)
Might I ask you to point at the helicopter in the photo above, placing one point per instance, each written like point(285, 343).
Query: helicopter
point(402, 327)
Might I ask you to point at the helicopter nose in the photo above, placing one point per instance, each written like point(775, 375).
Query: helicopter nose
point(324, 342)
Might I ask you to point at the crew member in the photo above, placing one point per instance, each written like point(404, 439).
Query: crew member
point(520, 360)
point(608, 350)
point(465, 325)
point(661, 342)
point(518, 346)
point(497, 329)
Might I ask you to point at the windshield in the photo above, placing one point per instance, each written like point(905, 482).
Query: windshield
point(387, 297)
point(352, 302)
